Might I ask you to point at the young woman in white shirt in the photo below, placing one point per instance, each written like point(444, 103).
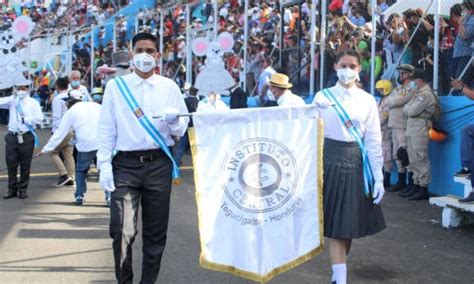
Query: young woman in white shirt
point(348, 211)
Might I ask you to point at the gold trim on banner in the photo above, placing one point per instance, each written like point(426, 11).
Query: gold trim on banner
point(292, 264)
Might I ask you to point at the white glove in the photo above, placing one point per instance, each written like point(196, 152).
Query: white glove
point(379, 192)
point(170, 115)
point(322, 103)
point(106, 178)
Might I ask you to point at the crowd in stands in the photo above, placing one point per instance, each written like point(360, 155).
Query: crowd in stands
point(279, 37)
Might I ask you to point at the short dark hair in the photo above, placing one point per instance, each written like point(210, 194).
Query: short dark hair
point(347, 52)
point(456, 10)
point(62, 83)
point(144, 36)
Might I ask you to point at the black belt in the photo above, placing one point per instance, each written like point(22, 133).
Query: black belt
point(143, 156)
point(19, 133)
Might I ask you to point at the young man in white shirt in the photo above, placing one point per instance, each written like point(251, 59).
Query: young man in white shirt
point(83, 118)
point(66, 169)
point(281, 93)
point(141, 171)
point(25, 114)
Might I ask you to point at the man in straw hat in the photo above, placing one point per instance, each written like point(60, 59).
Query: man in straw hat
point(281, 93)
point(25, 114)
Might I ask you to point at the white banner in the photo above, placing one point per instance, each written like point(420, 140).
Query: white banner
point(258, 176)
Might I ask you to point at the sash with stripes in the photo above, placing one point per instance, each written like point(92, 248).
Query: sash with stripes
point(19, 110)
point(147, 126)
point(354, 132)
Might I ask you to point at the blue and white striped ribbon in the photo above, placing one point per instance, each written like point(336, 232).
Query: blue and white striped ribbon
point(354, 132)
point(146, 124)
point(30, 127)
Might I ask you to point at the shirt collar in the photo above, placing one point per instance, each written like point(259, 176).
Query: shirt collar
point(137, 80)
point(340, 88)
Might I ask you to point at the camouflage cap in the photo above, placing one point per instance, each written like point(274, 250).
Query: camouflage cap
point(406, 68)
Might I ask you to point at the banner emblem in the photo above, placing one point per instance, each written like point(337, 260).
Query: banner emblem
point(262, 175)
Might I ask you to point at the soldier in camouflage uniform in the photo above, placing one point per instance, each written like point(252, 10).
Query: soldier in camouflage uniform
point(419, 111)
point(384, 87)
point(397, 121)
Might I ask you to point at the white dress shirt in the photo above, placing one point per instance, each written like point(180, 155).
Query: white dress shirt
point(207, 106)
point(83, 119)
point(119, 128)
point(363, 111)
point(86, 97)
point(288, 99)
point(31, 110)
point(59, 108)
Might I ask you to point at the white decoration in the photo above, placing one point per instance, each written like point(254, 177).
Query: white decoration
point(213, 78)
point(11, 59)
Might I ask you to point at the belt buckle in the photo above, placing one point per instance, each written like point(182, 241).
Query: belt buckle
point(146, 158)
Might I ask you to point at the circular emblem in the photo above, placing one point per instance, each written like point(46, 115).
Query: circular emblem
point(261, 175)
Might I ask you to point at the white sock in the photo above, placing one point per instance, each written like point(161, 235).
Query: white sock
point(339, 273)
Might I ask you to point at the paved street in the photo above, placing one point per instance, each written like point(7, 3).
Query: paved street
point(47, 239)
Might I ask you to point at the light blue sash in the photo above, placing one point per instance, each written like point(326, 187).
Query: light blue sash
point(147, 125)
point(30, 127)
point(354, 132)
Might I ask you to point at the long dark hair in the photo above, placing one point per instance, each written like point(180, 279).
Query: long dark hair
point(347, 52)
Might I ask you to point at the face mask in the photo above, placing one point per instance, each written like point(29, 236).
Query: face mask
point(271, 96)
point(75, 84)
point(21, 94)
point(429, 45)
point(347, 75)
point(144, 62)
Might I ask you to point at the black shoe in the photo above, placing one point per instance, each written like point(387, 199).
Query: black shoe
point(70, 183)
point(422, 194)
point(408, 188)
point(63, 180)
point(468, 199)
point(79, 200)
point(23, 194)
point(402, 183)
point(10, 194)
point(386, 180)
point(414, 189)
point(463, 173)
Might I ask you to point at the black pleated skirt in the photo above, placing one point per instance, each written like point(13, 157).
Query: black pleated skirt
point(348, 213)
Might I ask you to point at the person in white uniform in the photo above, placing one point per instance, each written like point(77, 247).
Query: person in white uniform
point(25, 114)
point(83, 118)
point(141, 170)
point(348, 212)
point(280, 92)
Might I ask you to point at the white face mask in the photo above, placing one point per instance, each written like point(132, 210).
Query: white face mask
point(144, 62)
point(347, 75)
point(21, 94)
point(271, 96)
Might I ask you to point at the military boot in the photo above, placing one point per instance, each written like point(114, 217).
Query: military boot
point(402, 182)
point(10, 193)
point(386, 180)
point(422, 194)
point(414, 190)
point(410, 183)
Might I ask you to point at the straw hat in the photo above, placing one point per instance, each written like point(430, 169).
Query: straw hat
point(281, 81)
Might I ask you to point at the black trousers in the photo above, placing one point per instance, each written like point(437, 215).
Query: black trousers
point(140, 177)
point(19, 154)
